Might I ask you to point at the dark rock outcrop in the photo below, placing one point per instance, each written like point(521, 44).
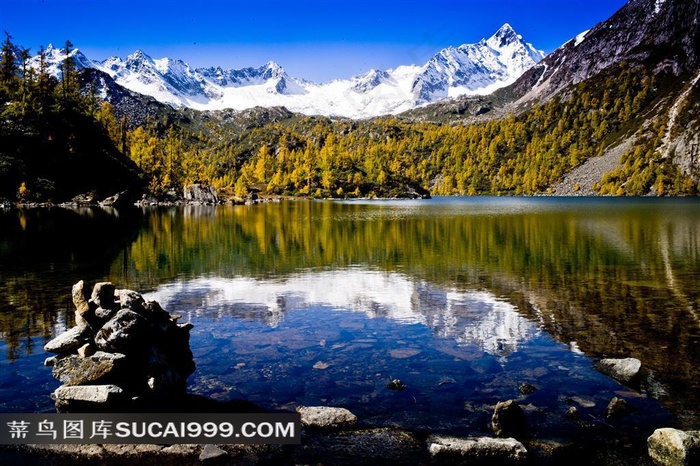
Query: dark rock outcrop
point(201, 194)
point(508, 419)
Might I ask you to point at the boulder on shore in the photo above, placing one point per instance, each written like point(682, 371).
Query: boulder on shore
point(118, 200)
point(476, 450)
point(325, 417)
point(673, 447)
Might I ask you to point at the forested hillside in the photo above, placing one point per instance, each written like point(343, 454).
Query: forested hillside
point(52, 141)
point(517, 154)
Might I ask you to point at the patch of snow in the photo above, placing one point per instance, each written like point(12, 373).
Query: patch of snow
point(579, 38)
point(658, 5)
point(542, 75)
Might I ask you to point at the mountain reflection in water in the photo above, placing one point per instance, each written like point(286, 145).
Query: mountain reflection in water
point(337, 337)
point(324, 302)
point(477, 318)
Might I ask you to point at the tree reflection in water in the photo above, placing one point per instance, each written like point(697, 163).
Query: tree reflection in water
point(608, 277)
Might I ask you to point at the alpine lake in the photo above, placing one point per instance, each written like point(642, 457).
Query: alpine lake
point(325, 302)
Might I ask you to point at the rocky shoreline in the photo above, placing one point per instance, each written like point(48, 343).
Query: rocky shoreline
point(126, 354)
point(325, 441)
point(194, 194)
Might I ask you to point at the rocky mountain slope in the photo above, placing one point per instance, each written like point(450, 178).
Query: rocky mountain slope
point(614, 111)
point(660, 38)
point(661, 35)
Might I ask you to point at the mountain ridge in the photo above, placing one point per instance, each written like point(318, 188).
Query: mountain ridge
point(467, 69)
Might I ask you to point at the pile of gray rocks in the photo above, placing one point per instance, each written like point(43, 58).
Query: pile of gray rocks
point(123, 351)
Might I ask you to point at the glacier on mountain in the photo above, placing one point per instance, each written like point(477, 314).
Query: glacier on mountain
point(469, 69)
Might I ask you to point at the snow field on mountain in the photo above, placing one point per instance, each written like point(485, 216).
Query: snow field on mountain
point(469, 69)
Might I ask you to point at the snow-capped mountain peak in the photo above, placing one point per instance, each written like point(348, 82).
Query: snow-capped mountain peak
point(505, 36)
point(476, 68)
point(368, 81)
point(138, 61)
point(55, 57)
point(467, 69)
point(274, 68)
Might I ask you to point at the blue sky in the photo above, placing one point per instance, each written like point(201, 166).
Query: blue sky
point(316, 40)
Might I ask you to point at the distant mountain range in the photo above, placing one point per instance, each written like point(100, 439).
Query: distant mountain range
point(468, 69)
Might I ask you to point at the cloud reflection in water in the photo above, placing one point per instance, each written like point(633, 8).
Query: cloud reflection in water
point(475, 318)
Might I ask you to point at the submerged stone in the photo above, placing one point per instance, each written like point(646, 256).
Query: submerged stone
point(396, 384)
point(527, 389)
point(404, 353)
point(582, 401)
point(618, 407)
point(572, 413)
point(446, 381)
point(354, 447)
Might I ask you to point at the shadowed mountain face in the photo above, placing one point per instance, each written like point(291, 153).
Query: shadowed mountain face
point(662, 35)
